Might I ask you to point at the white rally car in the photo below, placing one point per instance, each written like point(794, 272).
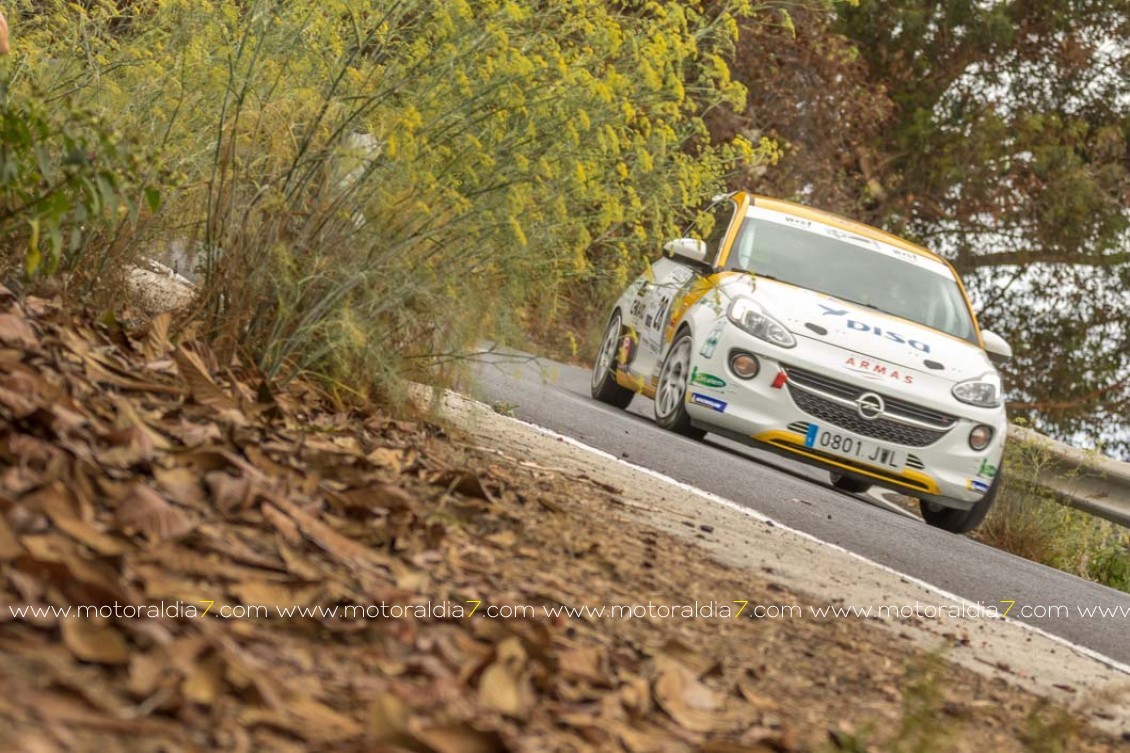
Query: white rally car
point(823, 339)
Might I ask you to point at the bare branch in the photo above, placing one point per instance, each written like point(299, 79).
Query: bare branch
point(1006, 258)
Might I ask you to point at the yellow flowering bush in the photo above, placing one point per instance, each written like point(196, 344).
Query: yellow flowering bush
point(372, 184)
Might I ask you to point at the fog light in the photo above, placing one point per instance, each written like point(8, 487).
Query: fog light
point(744, 365)
point(980, 437)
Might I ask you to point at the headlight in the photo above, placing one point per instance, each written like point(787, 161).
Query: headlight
point(751, 317)
point(984, 391)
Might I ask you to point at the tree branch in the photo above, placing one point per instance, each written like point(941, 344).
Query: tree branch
point(1005, 258)
point(1059, 406)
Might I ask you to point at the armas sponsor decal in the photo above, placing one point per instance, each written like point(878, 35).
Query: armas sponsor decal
point(872, 367)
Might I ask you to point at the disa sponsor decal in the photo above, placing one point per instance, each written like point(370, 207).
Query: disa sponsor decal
point(875, 329)
point(873, 369)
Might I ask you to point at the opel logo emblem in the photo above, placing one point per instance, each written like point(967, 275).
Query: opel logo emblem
point(870, 406)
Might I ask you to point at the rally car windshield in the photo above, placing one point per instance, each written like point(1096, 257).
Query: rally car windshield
point(853, 268)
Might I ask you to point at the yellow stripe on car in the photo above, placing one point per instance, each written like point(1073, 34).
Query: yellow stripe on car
point(742, 199)
point(700, 288)
point(794, 443)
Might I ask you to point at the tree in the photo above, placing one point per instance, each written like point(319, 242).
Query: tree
point(997, 134)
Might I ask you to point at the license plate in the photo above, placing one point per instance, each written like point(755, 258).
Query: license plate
point(863, 450)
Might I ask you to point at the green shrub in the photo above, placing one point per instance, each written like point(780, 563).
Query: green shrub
point(1109, 564)
point(1029, 522)
point(67, 180)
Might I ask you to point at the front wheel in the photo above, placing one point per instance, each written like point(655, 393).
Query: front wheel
point(960, 521)
point(604, 385)
point(671, 391)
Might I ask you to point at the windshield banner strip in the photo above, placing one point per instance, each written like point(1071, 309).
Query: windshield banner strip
point(856, 239)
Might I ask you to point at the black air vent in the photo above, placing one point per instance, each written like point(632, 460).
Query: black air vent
point(816, 328)
point(933, 365)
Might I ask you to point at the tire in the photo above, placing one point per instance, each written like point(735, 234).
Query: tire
point(849, 484)
point(671, 391)
point(960, 521)
point(604, 386)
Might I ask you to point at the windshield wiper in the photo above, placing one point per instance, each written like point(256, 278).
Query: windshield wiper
point(867, 305)
point(762, 275)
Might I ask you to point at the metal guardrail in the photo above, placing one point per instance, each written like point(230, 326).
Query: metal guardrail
point(1084, 480)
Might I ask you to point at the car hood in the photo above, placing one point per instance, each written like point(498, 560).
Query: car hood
point(865, 331)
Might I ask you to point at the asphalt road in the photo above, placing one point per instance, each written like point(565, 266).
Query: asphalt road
point(556, 397)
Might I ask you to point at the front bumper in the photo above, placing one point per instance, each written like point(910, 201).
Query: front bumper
point(768, 412)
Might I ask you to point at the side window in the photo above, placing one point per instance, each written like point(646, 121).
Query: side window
point(711, 226)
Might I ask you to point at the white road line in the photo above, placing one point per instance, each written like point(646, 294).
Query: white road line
point(754, 514)
point(876, 496)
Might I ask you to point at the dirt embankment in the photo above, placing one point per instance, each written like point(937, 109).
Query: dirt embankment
point(258, 569)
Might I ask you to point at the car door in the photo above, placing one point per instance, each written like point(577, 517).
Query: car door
point(668, 280)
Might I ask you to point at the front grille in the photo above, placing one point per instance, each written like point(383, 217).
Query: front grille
point(894, 406)
point(846, 416)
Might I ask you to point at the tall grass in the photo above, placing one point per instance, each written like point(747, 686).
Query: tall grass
point(368, 186)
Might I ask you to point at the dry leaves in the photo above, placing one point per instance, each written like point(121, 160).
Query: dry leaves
point(686, 700)
point(233, 545)
point(222, 527)
point(92, 642)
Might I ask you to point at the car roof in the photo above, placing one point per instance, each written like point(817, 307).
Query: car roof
point(835, 220)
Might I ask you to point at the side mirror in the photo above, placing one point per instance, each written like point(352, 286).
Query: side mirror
point(999, 351)
point(691, 249)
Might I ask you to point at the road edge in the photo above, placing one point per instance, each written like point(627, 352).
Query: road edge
point(1023, 655)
